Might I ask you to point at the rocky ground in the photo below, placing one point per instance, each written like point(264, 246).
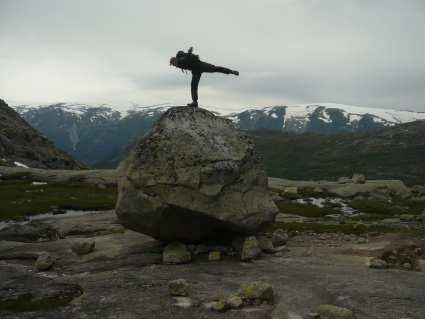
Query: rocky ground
point(124, 277)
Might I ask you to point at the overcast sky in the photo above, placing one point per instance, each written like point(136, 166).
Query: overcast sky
point(359, 52)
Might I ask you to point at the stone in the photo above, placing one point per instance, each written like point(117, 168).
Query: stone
point(257, 290)
point(219, 306)
point(378, 263)
point(44, 262)
point(334, 312)
point(250, 249)
point(83, 247)
point(279, 237)
point(178, 288)
point(265, 244)
point(176, 253)
point(344, 180)
point(29, 232)
point(193, 177)
point(214, 255)
point(234, 302)
point(359, 178)
point(183, 302)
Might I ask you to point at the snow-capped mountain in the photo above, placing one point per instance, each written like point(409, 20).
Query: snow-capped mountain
point(89, 133)
point(93, 133)
point(325, 118)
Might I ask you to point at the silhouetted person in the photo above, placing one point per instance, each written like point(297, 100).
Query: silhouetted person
point(190, 61)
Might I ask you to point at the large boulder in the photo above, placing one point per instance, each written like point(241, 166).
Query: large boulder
point(193, 176)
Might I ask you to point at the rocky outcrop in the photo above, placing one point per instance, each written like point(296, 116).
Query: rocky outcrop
point(21, 145)
point(346, 189)
point(194, 176)
point(29, 232)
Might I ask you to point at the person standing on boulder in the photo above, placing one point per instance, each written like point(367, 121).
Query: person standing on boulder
point(191, 62)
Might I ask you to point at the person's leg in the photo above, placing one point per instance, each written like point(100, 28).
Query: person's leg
point(211, 68)
point(196, 76)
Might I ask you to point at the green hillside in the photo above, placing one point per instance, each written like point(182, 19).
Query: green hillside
point(392, 153)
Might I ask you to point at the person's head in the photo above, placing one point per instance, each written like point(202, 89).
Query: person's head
point(173, 61)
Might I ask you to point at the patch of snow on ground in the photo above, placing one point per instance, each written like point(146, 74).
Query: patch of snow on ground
point(320, 202)
point(20, 165)
point(38, 183)
point(347, 210)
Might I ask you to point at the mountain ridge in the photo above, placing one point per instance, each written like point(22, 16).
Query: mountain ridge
point(21, 145)
point(93, 133)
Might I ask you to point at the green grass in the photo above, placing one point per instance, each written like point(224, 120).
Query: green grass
point(415, 207)
point(27, 302)
point(306, 210)
point(373, 206)
point(398, 206)
point(19, 198)
point(311, 156)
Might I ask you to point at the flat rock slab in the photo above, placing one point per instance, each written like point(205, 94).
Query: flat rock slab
point(123, 280)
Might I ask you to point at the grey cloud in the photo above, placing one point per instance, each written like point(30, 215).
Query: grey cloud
point(288, 51)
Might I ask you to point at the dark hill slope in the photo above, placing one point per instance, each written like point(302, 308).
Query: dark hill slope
point(391, 153)
point(21, 144)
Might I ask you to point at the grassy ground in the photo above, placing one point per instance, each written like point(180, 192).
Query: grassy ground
point(306, 210)
point(385, 209)
point(18, 197)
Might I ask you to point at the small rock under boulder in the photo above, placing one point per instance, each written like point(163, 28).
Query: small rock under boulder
point(214, 255)
point(378, 263)
point(194, 176)
point(176, 253)
point(279, 237)
point(250, 249)
point(266, 245)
